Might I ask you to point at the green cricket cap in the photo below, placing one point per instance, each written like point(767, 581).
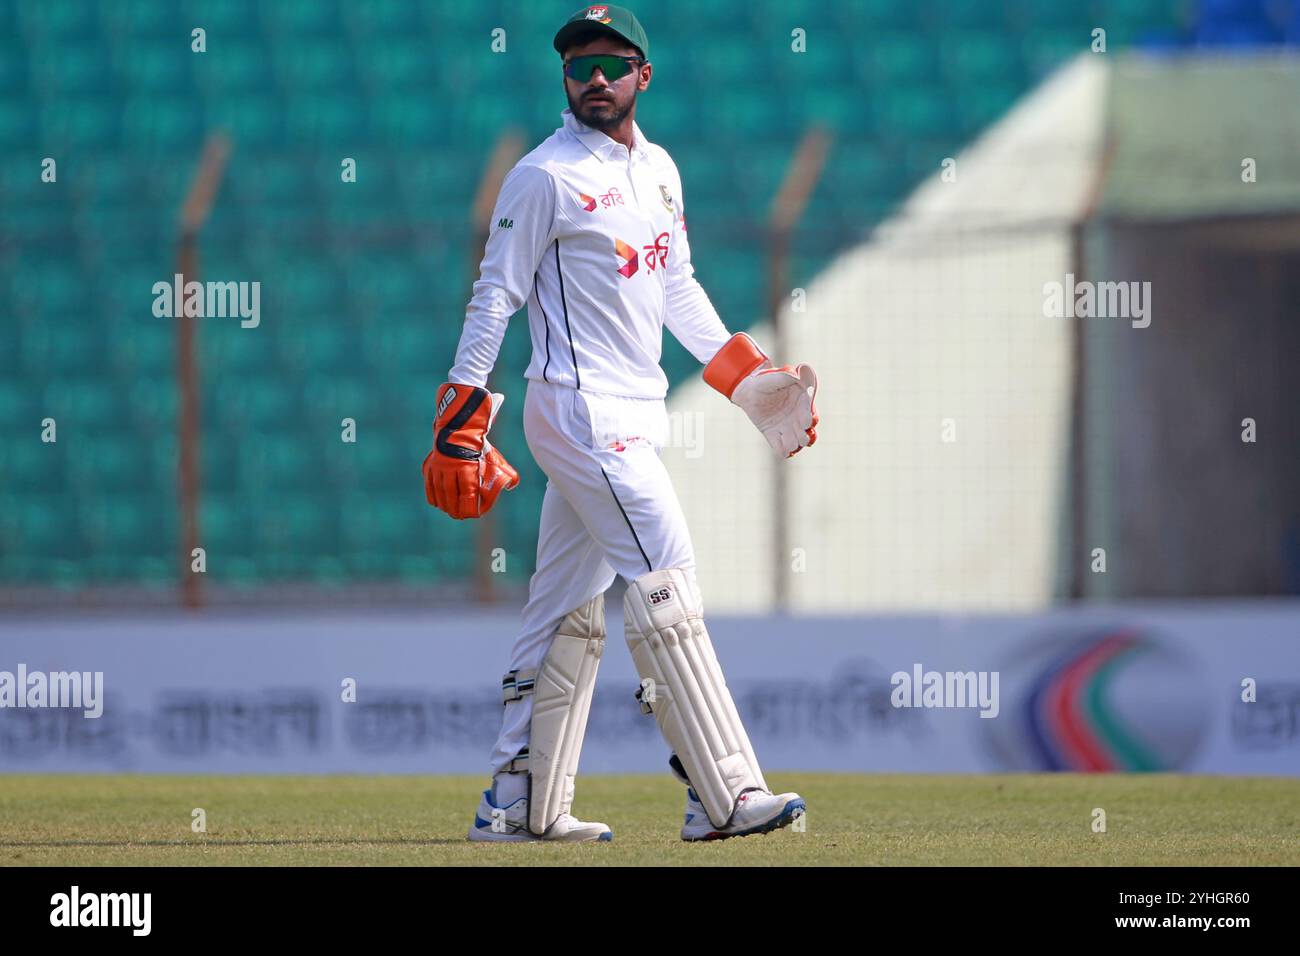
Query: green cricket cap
point(616, 21)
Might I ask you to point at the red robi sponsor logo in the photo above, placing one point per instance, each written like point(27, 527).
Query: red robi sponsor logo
point(656, 255)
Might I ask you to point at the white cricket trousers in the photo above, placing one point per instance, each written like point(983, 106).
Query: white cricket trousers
point(609, 509)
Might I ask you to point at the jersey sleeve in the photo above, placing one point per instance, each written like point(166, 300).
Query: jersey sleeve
point(689, 314)
point(523, 223)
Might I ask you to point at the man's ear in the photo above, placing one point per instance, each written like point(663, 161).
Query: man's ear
point(644, 80)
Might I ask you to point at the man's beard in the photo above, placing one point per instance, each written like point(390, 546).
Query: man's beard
point(608, 117)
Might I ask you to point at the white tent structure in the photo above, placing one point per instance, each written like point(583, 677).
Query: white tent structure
point(937, 477)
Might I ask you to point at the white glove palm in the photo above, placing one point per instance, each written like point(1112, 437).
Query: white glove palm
point(781, 402)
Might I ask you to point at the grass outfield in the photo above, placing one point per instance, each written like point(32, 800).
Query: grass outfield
point(853, 819)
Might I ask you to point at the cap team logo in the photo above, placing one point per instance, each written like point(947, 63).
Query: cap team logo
point(599, 14)
point(631, 260)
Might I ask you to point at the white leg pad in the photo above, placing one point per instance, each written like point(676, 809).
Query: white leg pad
point(562, 693)
point(664, 618)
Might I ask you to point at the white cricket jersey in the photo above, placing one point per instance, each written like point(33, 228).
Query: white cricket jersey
point(593, 239)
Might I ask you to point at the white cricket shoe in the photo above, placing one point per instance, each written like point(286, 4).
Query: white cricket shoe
point(757, 811)
point(511, 825)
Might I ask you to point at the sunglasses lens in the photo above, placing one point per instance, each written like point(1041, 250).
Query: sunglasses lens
point(580, 68)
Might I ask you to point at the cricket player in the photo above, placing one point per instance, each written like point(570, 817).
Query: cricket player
point(589, 231)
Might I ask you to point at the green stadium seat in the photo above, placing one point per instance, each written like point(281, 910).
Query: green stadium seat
point(459, 22)
point(866, 18)
point(82, 123)
point(300, 18)
point(398, 63)
point(313, 67)
point(155, 68)
point(713, 62)
point(29, 464)
point(37, 19)
point(38, 223)
point(364, 216)
point(326, 121)
point(292, 533)
point(845, 111)
point(226, 19)
point(28, 296)
point(913, 113)
point(371, 521)
point(39, 525)
point(304, 284)
point(112, 461)
point(229, 352)
point(225, 531)
point(279, 460)
point(384, 283)
point(855, 169)
point(958, 17)
point(126, 288)
point(143, 18)
point(154, 122)
point(1038, 13)
point(921, 158)
point(265, 177)
point(1045, 50)
point(63, 345)
point(250, 121)
point(896, 58)
point(233, 66)
point(410, 120)
point(405, 342)
point(330, 398)
point(18, 123)
point(21, 404)
point(241, 407)
point(760, 176)
point(747, 117)
point(528, 20)
point(83, 405)
point(972, 59)
point(329, 346)
point(103, 178)
point(381, 18)
point(979, 106)
point(154, 401)
point(382, 466)
point(69, 67)
point(483, 120)
point(440, 186)
point(1143, 12)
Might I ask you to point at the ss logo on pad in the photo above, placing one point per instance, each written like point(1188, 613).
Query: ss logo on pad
point(659, 595)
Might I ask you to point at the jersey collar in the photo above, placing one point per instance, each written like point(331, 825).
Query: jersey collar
point(601, 146)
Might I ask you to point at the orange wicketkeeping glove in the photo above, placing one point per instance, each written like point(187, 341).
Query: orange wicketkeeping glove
point(781, 402)
point(464, 474)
